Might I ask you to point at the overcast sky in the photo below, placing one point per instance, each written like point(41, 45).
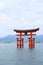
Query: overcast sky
point(20, 14)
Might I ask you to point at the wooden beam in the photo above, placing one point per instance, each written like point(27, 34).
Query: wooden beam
point(25, 35)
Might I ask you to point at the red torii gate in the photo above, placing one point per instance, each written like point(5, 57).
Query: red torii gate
point(20, 41)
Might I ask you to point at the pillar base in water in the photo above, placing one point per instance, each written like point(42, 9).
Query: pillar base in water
point(31, 42)
point(20, 43)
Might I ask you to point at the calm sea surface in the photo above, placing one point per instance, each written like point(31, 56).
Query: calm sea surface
point(10, 55)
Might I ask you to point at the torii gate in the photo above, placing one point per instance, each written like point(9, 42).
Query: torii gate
point(20, 41)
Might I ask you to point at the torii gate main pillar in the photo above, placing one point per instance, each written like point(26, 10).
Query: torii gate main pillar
point(20, 41)
point(31, 41)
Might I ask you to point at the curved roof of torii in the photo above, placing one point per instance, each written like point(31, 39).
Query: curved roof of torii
point(25, 31)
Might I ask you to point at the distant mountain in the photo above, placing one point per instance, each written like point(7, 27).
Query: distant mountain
point(39, 38)
point(8, 39)
point(12, 39)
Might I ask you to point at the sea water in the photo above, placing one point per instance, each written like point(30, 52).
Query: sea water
point(10, 55)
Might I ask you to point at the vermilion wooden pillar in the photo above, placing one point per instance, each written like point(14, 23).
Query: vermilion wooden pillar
point(31, 41)
point(17, 42)
point(20, 41)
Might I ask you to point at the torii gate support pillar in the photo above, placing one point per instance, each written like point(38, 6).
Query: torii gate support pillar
point(31, 43)
point(20, 43)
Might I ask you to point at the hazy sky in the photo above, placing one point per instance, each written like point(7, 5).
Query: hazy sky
point(20, 14)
